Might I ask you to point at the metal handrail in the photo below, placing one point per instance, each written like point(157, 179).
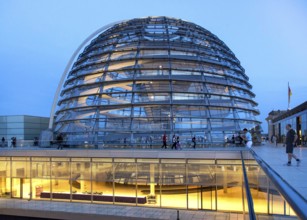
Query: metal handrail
point(251, 211)
point(296, 201)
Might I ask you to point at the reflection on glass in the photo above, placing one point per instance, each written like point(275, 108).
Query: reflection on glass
point(153, 63)
point(125, 178)
point(207, 184)
point(173, 185)
point(229, 187)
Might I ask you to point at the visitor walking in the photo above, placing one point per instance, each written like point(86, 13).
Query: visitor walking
point(291, 139)
point(274, 139)
point(35, 141)
point(174, 141)
point(3, 141)
point(248, 138)
point(60, 141)
point(150, 141)
point(13, 142)
point(178, 146)
point(194, 142)
point(164, 139)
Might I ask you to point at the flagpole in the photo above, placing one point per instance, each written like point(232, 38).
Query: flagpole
point(289, 95)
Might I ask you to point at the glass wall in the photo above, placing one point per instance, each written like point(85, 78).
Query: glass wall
point(169, 82)
point(206, 184)
point(149, 181)
point(41, 176)
point(5, 177)
point(201, 181)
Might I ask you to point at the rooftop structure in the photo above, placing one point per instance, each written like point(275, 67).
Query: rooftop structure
point(296, 117)
point(141, 78)
point(23, 127)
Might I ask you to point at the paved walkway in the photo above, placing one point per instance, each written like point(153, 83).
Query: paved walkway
point(276, 158)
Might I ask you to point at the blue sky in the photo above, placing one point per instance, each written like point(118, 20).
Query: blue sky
point(37, 38)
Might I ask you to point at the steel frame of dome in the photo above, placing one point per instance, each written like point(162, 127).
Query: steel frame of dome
point(144, 77)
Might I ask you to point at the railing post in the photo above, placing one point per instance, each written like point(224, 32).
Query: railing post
point(251, 211)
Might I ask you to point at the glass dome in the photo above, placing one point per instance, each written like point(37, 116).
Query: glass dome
point(145, 77)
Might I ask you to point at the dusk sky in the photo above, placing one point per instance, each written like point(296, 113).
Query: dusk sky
point(37, 39)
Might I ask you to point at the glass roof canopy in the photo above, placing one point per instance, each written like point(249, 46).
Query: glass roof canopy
point(145, 77)
point(227, 181)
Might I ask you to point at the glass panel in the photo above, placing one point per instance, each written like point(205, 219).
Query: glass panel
point(124, 160)
point(143, 160)
point(81, 170)
point(229, 188)
point(201, 181)
point(115, 98)
point(159, 65)
point(118, 87)
point(192, 111)
point(150, 124)
point(5, 181)
point(102, 159)
point(183, 53)
point(102, 182)
point(150, 86)
point(276, 202)
point(153, 52)
point(152, 111)
point(80, 181)
point(115, 75)
point(186, 65)
point(154, 72)
point(40, 169)
point(121, 65)
point(20, 169)
point(81, 189)
point(187, 123)
point(21, 188)
point(60, 159)
point(218, 89)
point(61, 189)
point(219, 112)
point(173, 188)
point(258, 184)
point(148, 183)
point(40, 159)
point(21, 158)
point(125, 183)
point(40, 187)
point(16, 188)
point(186, 96)
point(92, 78)
point(195, 87)
point(151, 97)
point(173, 160)
point(60, 170)
point(185, 73)
point(123, 55)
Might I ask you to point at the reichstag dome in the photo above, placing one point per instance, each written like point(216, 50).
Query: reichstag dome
point(139, 79)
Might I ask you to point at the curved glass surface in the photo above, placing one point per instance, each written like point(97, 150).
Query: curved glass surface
point(146, 77)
